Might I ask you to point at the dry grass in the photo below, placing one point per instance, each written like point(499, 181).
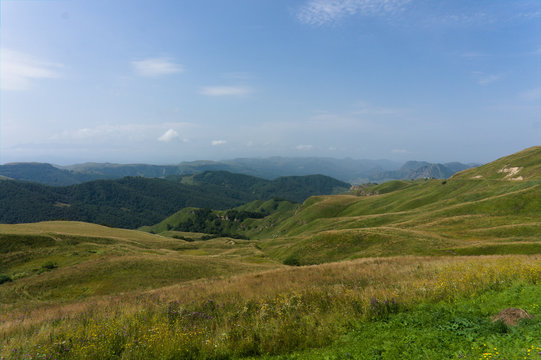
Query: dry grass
point(406, 278)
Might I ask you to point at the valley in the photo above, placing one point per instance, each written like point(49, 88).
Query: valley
point(281, 274)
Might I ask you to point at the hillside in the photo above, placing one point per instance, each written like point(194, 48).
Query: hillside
point(464, 215)
point(135, 201)
point(410, 261)
point(293, 188)
point(468, 214)
point(74, 260)
point(522, 166)
point(235, 222)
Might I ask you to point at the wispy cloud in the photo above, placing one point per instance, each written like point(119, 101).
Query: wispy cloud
point(399, 151)
point(154, 67)
point(531, 95)
point(320, 12)
point(19, 70)
point(225, 90)
point(218, 142)
point(473, 54)
point(125, 132)
point(304, 147)
point(364, 108)
point(169, 135)
point(486, 79)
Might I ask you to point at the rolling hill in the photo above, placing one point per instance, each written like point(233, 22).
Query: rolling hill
point(479, 211)
point(395, 266)
point(136, 201)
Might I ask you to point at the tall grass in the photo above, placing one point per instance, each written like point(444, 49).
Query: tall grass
point(271, 312)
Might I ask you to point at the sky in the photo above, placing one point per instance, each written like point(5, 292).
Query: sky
point(141, 81)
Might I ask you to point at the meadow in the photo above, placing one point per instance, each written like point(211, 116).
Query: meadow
point(276, 312)
point(414, 270)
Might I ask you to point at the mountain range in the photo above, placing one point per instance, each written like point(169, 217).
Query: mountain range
point(347, 170)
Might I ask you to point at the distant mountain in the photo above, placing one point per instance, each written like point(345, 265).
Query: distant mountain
point(132, 202)
point(41, 173)
point(412, 170)
point(348, 170)
point(116, 171)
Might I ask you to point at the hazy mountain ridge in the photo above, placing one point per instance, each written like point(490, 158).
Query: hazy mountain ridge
point(412, 170)
point(348, 170)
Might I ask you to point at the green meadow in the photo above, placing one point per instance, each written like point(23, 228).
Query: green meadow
point(399, 270)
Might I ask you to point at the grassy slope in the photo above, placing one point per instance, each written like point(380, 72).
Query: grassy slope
point(294, 308)
point(279, 209)
point(465, 215)
point(54, 261)
point(288, 308)
point(478, 211)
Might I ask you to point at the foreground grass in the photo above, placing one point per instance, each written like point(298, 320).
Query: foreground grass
point(363, 304)
point(461, 330)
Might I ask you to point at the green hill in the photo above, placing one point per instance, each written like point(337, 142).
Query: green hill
point(238, 222)
point(293, 188)
point(436, 259)
point(136, 201)
point(73, 260)
point(466, 214)
point(524, 165)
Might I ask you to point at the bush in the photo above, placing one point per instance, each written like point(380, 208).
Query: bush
point(292, 260)
point(5, 278)
point(49, 265)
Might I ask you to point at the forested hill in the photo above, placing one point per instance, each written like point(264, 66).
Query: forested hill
point(132, 202)
point(293, 188)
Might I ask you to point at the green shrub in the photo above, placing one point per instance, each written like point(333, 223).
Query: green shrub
point(292, 260)
point(49, 265)
point(5, 278)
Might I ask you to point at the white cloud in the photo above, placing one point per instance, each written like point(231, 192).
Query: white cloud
point(304, 147)
point(154, 67)
point(218, 142)
point(486, 79)
point(225, 90)
point(124, 133)
point(168, 136)
point(18, 70)
point(320, 12)
point(399, 151)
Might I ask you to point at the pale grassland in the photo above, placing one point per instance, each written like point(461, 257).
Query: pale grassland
point(253, 314)
point(77, 228)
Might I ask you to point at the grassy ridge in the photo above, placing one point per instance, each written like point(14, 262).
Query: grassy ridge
point(422, 217)
point(55, 261)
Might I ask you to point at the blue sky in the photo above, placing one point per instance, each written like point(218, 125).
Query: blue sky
point(169, 81)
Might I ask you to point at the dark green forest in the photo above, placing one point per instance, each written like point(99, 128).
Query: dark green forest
point(133, 202)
